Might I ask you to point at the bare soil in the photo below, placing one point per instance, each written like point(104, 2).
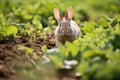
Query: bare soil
point(10, 56)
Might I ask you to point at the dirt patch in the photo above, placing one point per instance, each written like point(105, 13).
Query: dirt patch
point(9, 53)
point(10, 56)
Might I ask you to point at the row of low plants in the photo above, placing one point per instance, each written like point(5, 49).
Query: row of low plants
point(96, 55)
point(29, 15)
point(18, 18)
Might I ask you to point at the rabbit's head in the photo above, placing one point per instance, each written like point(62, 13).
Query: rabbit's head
point(64, 23)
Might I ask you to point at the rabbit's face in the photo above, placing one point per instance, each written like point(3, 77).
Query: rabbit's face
point(64, 27)
point(64, 23)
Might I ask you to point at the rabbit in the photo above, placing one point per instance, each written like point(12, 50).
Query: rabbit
point(67, 29)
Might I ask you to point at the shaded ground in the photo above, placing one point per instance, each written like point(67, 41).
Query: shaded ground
point(9, 53)
point(10, 56)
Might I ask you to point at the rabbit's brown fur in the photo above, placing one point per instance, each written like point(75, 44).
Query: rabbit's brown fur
point(67, 29)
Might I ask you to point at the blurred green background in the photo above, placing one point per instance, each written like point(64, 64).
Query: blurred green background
point(22, 11)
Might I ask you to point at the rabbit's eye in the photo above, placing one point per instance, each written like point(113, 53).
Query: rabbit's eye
point(60, 25)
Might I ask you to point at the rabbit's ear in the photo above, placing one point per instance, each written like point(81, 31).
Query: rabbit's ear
point(57, 14)
point(69, 13)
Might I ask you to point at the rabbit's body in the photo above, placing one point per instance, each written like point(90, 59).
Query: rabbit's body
point(71, 36)
point(67, 29)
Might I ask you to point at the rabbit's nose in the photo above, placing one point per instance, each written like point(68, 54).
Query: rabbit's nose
point(65, 31)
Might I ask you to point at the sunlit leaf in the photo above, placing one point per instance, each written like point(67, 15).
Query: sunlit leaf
point(11, 30)
point(72, 48)
point(44, 49)
point(103, 22)
point(56, 61)
point(88, 27)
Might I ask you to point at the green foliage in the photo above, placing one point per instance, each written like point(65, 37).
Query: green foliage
point(96, 54)
point(27, 50)
point(98, 60)
point(7, 30)
point(88, 27)
point(11, 30)
point(30, 54)
point(44, 49)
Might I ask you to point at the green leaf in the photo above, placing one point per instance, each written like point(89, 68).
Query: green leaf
point(11, 30)
point(44, 49)
point(47, 30)
point(88, 27)
point(56, 61)
point(72, 48)
point(2, 20)
point(103, 22)
point(27, 50)
point(81, 68)
point(37, 23)
point(63, 51)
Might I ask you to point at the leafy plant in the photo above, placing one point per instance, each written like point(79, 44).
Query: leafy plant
point(6, 30)
point(94, 53)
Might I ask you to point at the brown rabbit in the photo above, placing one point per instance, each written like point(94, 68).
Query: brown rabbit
point(67, 29)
